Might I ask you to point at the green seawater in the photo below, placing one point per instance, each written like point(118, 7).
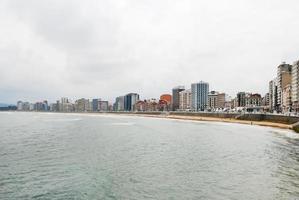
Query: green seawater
point(92, 156)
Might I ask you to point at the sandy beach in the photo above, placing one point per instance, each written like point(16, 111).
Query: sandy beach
point(213, 119)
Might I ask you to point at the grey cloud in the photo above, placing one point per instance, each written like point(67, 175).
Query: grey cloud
point(108, 48)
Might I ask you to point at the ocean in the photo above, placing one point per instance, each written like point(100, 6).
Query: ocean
point(98, 156)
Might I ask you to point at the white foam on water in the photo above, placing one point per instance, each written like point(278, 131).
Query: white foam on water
point(7, 113)
point(286, 133)
point(63, 120)
point(123, 124)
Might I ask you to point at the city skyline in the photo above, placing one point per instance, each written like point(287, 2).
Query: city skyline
point(175, 92)
point(99, 48)
point(112, 99)
point(280, 98)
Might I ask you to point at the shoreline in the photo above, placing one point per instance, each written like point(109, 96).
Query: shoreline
point(188, 118)
point(214, 119)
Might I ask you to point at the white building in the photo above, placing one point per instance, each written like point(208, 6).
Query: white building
point(185, 100)
point(19, 105)
point(65, 105)
point(295, 86)
point(213, 100)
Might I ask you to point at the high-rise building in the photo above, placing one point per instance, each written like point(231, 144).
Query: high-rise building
point(23, 106)
point(45, 105)
point(26, 106)
point(130, 100)
point(95, 105)
point(64, 100)
point(241, 99)
point(295, 86)
point(54, 107)
point(287, 98)
point(39, 106)
point(82, 105)
point(284, 78)
point(213, 100)
point(273, 95)
point(216, 100)
point(266, 100)
point(119, 104)
point(65, 105)
point(221, 99)
point(176, 97)
point(19, 105)
point(199, 95)
point(103, 106)
point(185, 100)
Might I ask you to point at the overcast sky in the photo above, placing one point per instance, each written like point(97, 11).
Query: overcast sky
point(107, 48)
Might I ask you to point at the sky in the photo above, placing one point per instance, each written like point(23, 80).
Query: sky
point(107, 48)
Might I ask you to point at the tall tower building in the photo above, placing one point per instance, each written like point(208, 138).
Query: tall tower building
point(119, 104)
point(295, 86)
point(176, 97)
point(95, 105)
point(273, 94)
point(130, 101)
point(199, 96)
point(284, 78)
point(241, 99)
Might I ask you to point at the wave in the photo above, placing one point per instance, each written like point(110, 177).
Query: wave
point(123, 124)
point(63, 120)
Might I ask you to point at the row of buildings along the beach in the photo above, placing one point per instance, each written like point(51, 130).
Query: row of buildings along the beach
point(284, 89)
point(283, 97)
point(196, 98)
point(65, 105)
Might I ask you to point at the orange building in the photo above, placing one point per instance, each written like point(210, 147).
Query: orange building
point(166, 97)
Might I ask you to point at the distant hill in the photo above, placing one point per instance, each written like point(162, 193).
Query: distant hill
point(5, 105)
